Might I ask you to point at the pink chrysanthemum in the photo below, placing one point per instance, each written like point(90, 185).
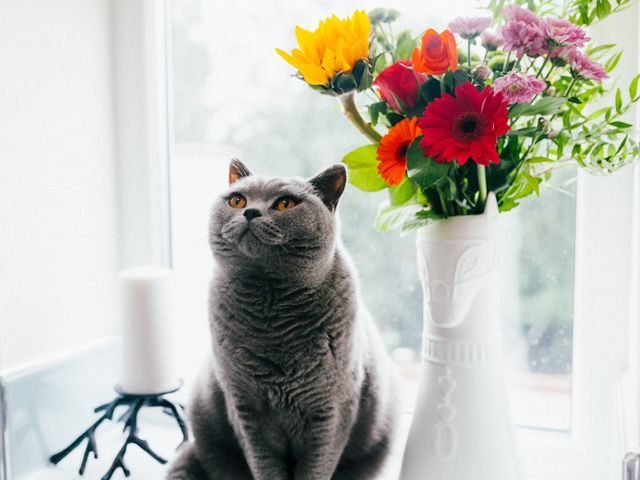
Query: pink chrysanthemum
point(491, 40)
point(583, 66)
point(563, 35)
point(469, 27)
point(516, 13)
point(519, 88)
point(524, 32)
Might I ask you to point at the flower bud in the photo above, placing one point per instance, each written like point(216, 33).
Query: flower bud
point(482, 73)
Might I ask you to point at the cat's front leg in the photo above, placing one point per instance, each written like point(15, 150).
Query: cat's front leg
point(325, 443)
point(262, 460)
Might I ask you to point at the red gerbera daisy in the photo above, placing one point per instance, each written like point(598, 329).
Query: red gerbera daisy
point(465, 126)
point(392, 152)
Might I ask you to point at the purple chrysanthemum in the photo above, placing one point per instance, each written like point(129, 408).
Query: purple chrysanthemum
point(469, 27)
point(524, 32)
point(519, 88)
point(491, 40)
point(583, 66)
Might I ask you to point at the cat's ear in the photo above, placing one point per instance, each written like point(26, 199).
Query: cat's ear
point(237, 170)
point(329, 184)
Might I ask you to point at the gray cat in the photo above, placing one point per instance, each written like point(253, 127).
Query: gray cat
point(300, 386)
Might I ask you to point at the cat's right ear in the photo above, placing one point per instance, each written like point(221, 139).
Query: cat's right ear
point(329, 184)
point(237, 170)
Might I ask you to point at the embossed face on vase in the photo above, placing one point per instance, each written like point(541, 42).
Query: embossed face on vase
point(277, 223)
point(454, 271)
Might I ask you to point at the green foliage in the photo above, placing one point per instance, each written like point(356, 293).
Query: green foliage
point(405, 44)
point(394, 217)
point(401, 194)
point(375, 109)
point(362, 167)
point(423, 170)
point(587, 12)
point(544, 106)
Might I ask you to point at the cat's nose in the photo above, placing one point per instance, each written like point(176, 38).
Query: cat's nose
point(251, 213)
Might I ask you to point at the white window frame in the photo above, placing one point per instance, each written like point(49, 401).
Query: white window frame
point(605, 379)
point(143, 130)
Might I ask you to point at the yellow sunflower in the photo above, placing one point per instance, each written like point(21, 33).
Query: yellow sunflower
point(334, 47)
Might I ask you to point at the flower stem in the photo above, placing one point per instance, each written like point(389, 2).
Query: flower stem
point(573, 82)
point(469, 54)
point(482, 183)
point(350, 111)
point(544, 64)
point(506, 62)
point(443, 202)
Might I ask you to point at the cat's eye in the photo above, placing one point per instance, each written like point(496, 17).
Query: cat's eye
point(237, 201)
point(284, 203)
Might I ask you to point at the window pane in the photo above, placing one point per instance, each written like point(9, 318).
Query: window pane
point(234, 96)
point(538, 246)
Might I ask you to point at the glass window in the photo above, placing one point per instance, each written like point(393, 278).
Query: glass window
point(233, 96)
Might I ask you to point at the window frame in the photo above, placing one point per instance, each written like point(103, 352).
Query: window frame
point(144, 136)
point(602, 376)
point(602, 397)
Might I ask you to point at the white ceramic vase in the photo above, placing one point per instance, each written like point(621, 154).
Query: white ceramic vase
point(462, 427)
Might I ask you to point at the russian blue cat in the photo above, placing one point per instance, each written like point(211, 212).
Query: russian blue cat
point(299, 386)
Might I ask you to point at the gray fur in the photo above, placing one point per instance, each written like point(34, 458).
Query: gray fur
point(299, 386)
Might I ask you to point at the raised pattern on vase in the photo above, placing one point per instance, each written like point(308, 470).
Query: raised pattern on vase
point(454, 272)
point(454, 353)
point(445, 434)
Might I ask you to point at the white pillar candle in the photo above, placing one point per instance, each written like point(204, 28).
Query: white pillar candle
point(148, 326)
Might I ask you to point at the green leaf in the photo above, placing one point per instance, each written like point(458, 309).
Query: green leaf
point(423, 170)
point(460, 77)
point(401, 194)
point(533, 182)
point(544, 106)
point(540, 160)
point(375, 109)
point(633, 88)
point(599, 48)
point(619, 124)
point(430, 90)
point(362, 165)
point(622, 144)
point(597, 113)
point(575, 100)
point(618, 101)
point(423, 218)
point(612, 62)
point(523, 132)
point(391, 217)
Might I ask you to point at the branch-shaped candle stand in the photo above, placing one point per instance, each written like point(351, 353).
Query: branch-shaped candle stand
point(133, 403)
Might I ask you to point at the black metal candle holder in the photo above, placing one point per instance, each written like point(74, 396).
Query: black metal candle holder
point(133, 403)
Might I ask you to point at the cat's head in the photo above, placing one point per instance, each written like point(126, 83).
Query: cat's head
point(276, 222)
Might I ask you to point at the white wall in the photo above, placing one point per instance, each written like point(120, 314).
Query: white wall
point(58, 245)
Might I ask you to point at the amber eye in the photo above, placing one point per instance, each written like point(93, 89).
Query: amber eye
point(237, 201)
point(285, 203)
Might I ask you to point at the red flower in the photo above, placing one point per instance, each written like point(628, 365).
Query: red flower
point(437, 53)
point(392, 152)
point(465, 126)
point(398, 85)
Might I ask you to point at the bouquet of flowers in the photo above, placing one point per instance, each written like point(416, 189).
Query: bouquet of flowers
point(492, 103)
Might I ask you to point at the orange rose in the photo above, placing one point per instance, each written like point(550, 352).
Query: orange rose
point(437, 54)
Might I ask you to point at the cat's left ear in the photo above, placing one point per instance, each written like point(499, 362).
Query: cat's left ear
point(330, 184)
point(237, 170)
